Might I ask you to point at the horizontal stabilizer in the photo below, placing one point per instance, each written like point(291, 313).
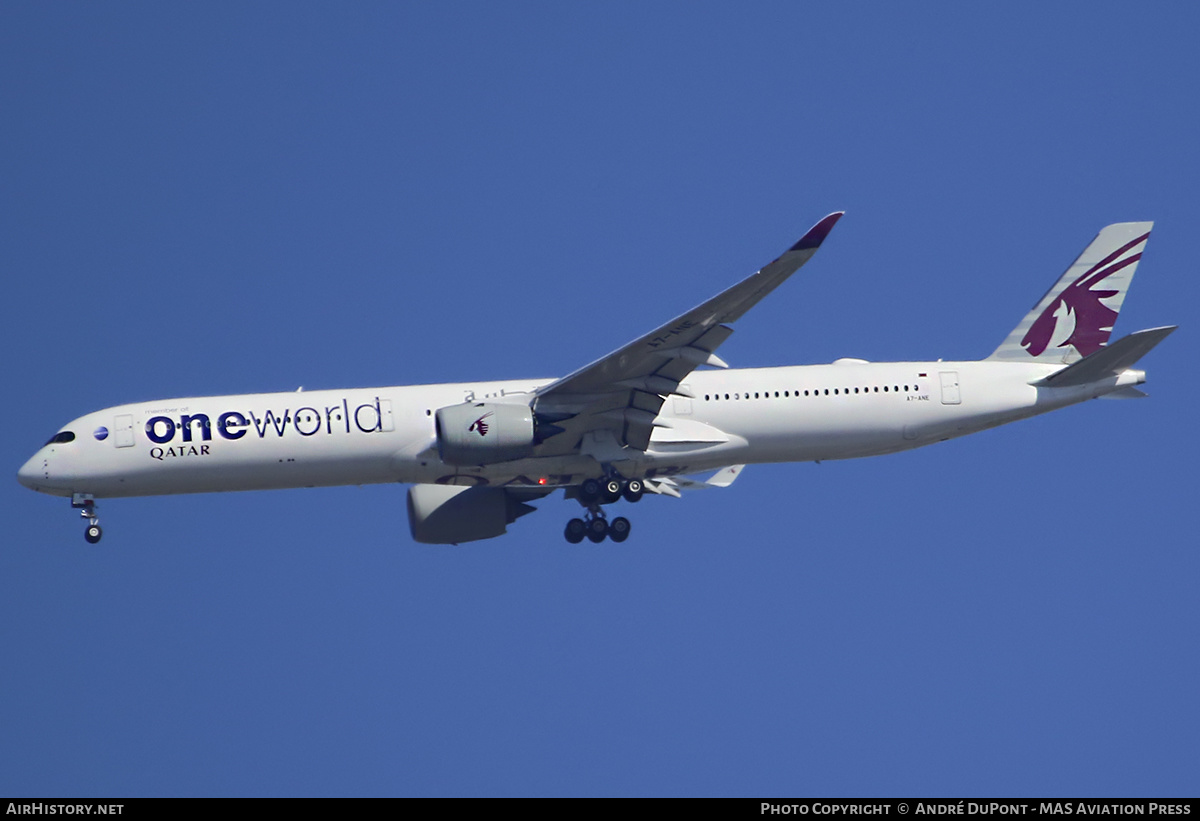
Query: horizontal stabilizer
point(1109, 361)
point(1126, 393)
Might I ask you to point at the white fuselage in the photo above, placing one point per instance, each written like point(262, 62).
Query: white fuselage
point(739, 416)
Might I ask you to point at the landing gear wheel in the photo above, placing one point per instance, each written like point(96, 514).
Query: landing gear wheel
point(575, 531)
point(589, 491)
point(597, 529)
point(612, 492)
point(634, 490)
point(85, 503)
point(618, 529)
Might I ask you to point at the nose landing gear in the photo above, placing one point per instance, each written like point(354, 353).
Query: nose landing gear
point(85, 503)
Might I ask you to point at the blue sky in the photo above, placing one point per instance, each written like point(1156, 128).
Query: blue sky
point(228, 198)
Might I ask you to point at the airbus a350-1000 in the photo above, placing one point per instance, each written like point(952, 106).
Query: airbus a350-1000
point(644, 419)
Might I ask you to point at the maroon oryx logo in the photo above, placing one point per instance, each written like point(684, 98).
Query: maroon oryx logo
point(480, 425)
point(1078, 316)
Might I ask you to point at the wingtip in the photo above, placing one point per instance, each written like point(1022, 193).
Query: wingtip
point(816, 235)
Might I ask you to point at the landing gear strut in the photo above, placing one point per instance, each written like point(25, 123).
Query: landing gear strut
point(86, 504)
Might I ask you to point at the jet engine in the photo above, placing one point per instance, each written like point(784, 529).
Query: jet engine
point(450, 514)
point(485, 433)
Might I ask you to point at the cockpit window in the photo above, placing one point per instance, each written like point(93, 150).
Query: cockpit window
point(61, 438)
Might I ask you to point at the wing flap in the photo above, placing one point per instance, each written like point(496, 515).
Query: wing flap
point(673, 485)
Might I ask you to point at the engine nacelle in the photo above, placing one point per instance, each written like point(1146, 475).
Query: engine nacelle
point(450, 514)
point(484, 433)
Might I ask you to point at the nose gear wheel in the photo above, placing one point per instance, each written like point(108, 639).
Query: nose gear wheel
point(85, 503)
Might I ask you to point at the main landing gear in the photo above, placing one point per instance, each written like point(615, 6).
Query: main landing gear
point(86, 504)
point(594, 491)
point(595, 525)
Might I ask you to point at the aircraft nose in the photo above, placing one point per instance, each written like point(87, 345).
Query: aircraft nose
point(30, 472)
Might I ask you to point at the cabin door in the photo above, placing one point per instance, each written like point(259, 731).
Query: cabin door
point(123, 431)
point(950, 393)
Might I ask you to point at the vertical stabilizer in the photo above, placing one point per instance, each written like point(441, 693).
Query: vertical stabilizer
point(1075, 318)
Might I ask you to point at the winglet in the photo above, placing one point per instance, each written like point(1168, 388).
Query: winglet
point(816, 235)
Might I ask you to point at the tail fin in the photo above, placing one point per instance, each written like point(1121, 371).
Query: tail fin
point(1075, 318)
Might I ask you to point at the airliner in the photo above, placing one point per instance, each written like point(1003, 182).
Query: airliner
point(655, 416)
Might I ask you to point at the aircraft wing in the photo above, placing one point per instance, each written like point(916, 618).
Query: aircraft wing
point(623, 392)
